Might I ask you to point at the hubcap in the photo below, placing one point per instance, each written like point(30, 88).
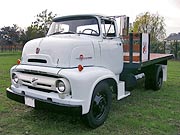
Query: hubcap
point(160, 78)
point(99, 105)
point(160, 81)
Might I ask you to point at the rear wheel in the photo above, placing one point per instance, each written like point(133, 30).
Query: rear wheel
point(158, 78)
point(154, 77)
point(100, 105)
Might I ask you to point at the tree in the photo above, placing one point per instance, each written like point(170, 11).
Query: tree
point(32, 32)
point(10, 38)
point(38, 28)
point(9, 35)
point(150, 23)
point(43, 21)
point(153, 24)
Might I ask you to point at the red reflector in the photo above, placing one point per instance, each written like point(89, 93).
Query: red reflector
point(18, 61)
point(80, 68)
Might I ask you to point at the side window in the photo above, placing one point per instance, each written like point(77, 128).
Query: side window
point(108, 28)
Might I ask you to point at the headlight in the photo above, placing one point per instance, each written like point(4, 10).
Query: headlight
point(15, 78)
point(60, 86)
point(63, 86)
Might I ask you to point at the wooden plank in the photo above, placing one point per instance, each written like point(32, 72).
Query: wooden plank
point(158, 55)
point(136, 36)
point(135, 58)
point(136, 48)
point(153, 56)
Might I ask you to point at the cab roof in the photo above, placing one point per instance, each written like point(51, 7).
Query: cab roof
point(79, 16)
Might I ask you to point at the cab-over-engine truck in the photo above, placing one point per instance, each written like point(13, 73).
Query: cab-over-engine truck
point(81, 62)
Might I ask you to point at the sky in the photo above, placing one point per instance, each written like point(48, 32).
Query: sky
point(23, 12)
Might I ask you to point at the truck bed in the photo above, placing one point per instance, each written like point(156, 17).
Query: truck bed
point(154, 58)
point(133, 47)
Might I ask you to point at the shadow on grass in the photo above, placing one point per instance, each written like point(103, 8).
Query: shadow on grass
point(55, 120)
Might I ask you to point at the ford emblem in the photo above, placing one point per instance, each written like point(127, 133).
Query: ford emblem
point(37, 50)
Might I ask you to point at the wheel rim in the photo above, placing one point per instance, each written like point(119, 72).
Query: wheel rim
point(99, 105)
point(159, 83)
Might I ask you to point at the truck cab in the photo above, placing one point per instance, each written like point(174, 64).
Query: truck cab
point(78, 64)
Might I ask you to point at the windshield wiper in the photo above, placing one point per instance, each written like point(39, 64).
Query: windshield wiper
point(55, 33)
point(69, 32)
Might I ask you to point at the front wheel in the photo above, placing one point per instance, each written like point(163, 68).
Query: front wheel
point(100, 105)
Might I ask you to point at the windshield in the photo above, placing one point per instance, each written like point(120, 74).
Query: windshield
point(71, 25)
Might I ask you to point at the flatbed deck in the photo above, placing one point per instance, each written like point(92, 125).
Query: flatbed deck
point(137, 54)
point(154, 58)
point(158, 55)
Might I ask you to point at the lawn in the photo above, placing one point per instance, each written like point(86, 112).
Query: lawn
point(145, 112)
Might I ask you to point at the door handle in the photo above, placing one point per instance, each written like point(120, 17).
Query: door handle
point(119, 44)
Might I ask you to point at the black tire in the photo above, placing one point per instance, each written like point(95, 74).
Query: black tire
point(154, 77)
point(148, 82)
point(100, 106)
point(148, 77)
point(130, 82)
point(158, 78)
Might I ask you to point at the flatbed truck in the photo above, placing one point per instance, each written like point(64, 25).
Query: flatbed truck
point(83, 61)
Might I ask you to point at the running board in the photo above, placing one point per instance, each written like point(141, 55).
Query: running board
point(121, 91)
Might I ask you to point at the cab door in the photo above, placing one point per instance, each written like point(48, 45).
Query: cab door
point(111, 47)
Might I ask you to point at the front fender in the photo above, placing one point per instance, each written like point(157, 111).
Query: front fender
point(83, 83)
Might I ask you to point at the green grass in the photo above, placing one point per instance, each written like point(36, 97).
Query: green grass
point(8, 53)
point(145, 112)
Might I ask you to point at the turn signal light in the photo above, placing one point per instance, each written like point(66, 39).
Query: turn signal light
point(18, 61)
point(80, 68)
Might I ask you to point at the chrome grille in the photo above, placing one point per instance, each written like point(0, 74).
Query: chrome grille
point(37, 81)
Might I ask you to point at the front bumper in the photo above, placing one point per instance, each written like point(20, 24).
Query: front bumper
point(41, 103)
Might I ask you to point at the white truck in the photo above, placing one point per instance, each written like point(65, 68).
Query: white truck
point(81, 63)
